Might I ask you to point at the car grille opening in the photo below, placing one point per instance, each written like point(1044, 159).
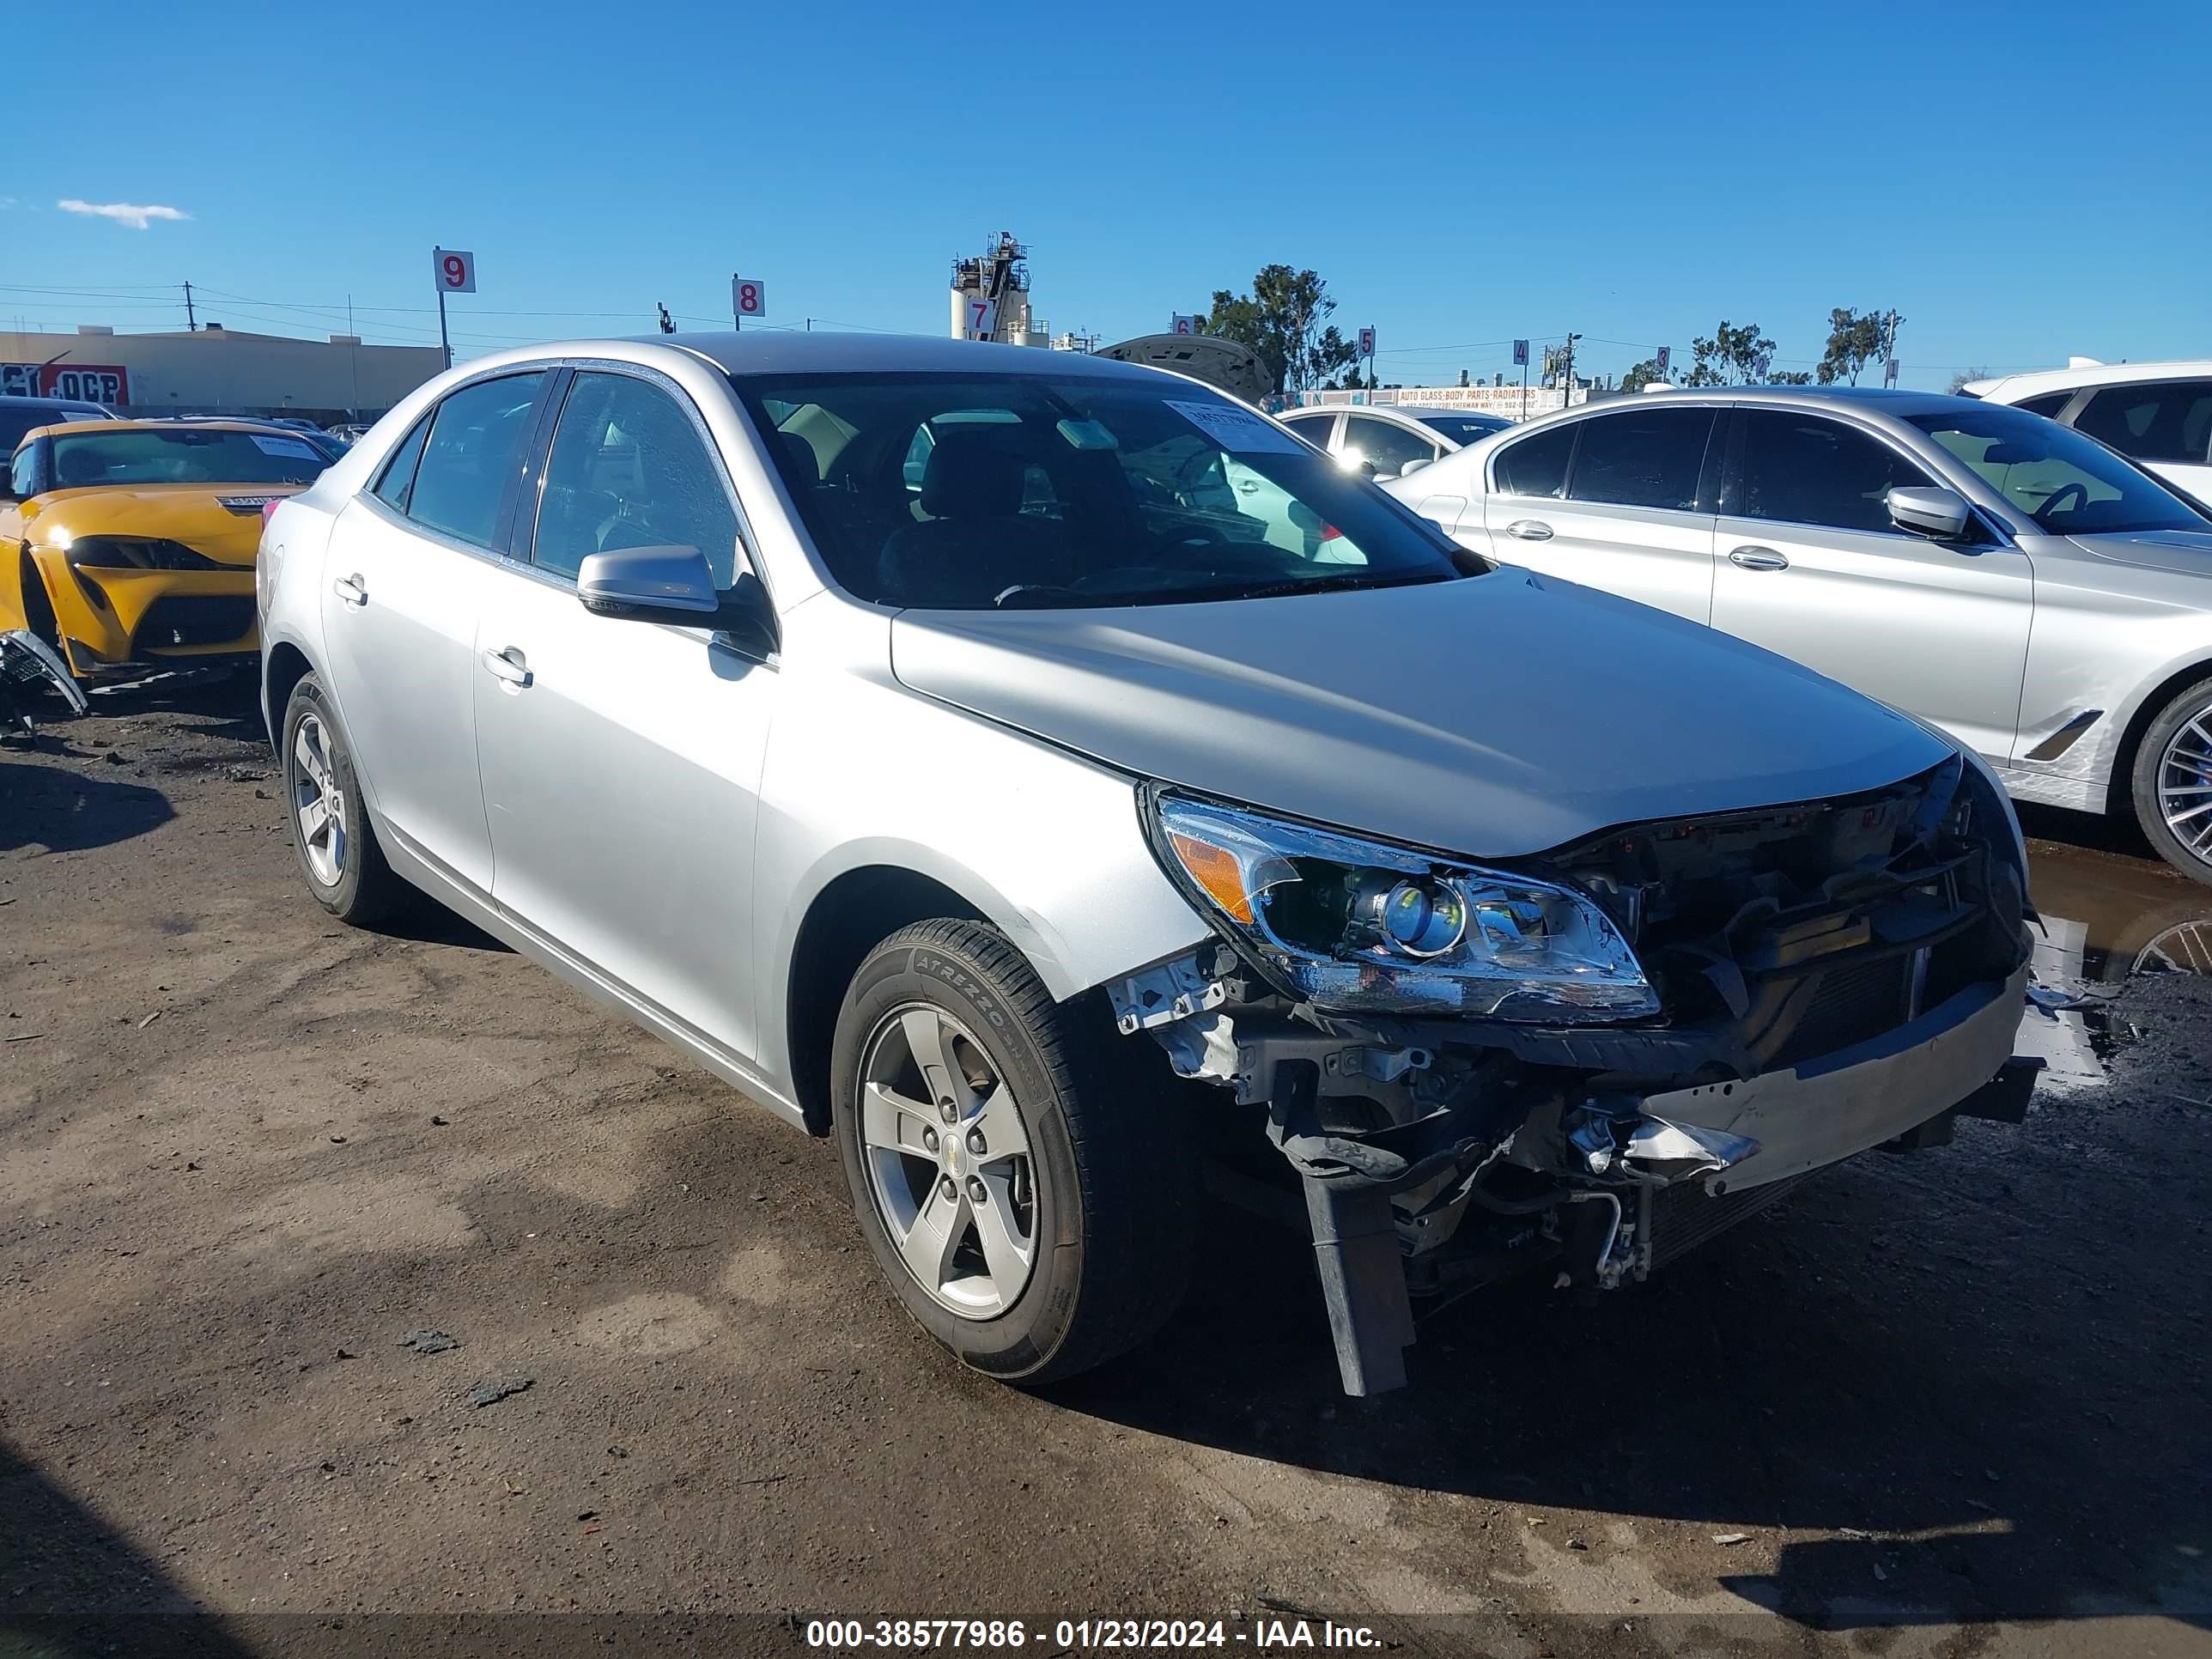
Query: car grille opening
point(197, 619)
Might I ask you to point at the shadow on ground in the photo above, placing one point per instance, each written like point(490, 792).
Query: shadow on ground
point(67, 812)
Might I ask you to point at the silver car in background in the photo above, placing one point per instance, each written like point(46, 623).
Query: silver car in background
point(1041, 773)
point(2042, 598)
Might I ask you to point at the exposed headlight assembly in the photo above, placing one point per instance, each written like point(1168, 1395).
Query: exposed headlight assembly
point(1352, 924)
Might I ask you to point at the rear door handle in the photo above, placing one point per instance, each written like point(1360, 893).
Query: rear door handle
point(1758, 558)
point(352, 589)
point(1529, 530)
point(509, 664)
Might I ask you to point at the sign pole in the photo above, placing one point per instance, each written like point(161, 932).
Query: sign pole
point(437, 257)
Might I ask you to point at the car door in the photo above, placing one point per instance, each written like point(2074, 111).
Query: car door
point(1385, 444)
point(1623, 500)
point(2164, 425)
point(621, 760)
point(1811, 567)
point(410, 564)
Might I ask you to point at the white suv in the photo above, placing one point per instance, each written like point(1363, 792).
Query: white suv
point(2159, 415)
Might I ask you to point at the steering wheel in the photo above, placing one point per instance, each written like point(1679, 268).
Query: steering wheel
point(2050, 502)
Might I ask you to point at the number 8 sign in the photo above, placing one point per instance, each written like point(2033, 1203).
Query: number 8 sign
point(457, 271)
point(748, 297)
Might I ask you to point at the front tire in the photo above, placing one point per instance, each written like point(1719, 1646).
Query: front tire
point(330, 832)
point(2173, 782)
point(1027, 1195)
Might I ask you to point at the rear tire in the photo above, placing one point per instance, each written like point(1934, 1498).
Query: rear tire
point(974, 1115)
point(2172, 782)
point(331, 835)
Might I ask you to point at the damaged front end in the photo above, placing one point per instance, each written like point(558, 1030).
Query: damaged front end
point(1590, 1061)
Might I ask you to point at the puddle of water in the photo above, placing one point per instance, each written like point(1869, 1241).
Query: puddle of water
point(2105, 918)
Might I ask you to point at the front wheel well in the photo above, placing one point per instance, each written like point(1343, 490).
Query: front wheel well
point(288, 665)
point(848, 918)
point(2120, 787)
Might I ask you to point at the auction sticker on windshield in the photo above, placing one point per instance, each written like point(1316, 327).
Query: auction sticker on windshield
point(298, 448)
point(1236, 430)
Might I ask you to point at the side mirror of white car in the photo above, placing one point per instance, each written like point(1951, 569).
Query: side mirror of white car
point(1941, 514)
point(1415, 465)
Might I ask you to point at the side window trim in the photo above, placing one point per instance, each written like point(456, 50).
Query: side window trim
point(526, 540)
point(420, 429)
point(518, 527)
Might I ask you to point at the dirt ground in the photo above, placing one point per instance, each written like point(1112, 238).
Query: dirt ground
point(1947, 1404)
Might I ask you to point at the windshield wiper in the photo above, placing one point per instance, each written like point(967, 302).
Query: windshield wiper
point(1349, 580)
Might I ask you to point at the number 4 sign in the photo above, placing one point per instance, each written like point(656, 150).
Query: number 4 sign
point(457, 271)
point(748, 297)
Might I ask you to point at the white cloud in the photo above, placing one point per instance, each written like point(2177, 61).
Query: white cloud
point(123, 213)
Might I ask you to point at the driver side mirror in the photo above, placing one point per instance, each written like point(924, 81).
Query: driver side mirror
point(1415, 465)
point(675, 585)
point(1941, 514)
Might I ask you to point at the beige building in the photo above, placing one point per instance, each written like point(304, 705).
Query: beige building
point(216, 370)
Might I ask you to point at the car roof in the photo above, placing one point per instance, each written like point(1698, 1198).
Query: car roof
point(794, 352)
point(11, 401)
point(2010, 388)
point(1863, 399)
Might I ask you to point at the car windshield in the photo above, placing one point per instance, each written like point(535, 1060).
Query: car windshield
point(183, 454)
point(2070, 485)
point(1464, 428)
point(963, 492)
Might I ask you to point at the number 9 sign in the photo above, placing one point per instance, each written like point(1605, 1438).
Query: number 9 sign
point(457, 271)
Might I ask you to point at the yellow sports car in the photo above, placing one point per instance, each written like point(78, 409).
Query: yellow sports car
point(126, 544)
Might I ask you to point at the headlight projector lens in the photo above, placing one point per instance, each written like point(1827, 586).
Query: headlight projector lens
point(1420, 918)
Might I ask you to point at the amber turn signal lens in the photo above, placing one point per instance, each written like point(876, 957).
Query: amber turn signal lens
point(1216, 872)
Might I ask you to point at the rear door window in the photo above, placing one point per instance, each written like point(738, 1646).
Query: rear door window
point(1650, 458)
point(1390, 448)
point(399, 478)
point(2161, 421)
point(1537, 465)
point(1803, 469)
point(473, 456)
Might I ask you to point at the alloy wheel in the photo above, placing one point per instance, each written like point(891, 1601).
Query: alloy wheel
point(2185, 784)
point(948, 1161)
point(318, 803)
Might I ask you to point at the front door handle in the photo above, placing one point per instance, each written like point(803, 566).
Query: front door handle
point(1755, 557)
point(1529, 530)
point(509, 664)
point(352, 589)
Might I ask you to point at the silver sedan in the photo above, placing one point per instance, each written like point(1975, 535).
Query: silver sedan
point(1036, 771)
point(2039, 597)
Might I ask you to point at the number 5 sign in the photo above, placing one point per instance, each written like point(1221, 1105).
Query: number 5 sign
point(748, 297)
point(457, 271)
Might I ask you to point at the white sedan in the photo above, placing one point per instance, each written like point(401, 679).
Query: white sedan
point(1394, 442)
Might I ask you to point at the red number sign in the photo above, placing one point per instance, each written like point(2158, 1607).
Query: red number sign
point(747, 296)
point(456, 271)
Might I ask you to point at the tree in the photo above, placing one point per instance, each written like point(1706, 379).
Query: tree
point(1283, 320)
point(1641, 375)
point(1854, 341)
point(1734, 356)
point(1965, 375)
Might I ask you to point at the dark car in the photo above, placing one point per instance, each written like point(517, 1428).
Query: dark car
point(20, 414)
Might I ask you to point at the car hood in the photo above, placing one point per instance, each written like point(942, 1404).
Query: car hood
point(1495, 716)
point(2186, 552)
point(194, 514)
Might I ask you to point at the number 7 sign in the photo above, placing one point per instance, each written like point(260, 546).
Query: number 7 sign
point(982, 318)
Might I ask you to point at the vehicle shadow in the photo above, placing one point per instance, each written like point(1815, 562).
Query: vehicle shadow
point(1994, 1440)
point(67, 812)
point(70, 1585)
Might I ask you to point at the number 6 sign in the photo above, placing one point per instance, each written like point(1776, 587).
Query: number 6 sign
point(748, 297)
point(457, 271)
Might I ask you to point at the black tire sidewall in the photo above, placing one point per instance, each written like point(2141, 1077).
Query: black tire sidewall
point(344, 898)
point(1025, 1339)
point(2192, 703)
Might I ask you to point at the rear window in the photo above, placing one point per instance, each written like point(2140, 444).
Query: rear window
point(182, 455)
point(1537, 465)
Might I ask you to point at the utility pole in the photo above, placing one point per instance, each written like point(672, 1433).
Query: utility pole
point(191, 324)
point(1889, 347)
point(1568, 393)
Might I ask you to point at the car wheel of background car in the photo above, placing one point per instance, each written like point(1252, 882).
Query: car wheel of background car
point(2173, 782)
point(331, 830)
point(1027, 1195)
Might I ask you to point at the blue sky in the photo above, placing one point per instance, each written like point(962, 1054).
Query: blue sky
point(2021, 181)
